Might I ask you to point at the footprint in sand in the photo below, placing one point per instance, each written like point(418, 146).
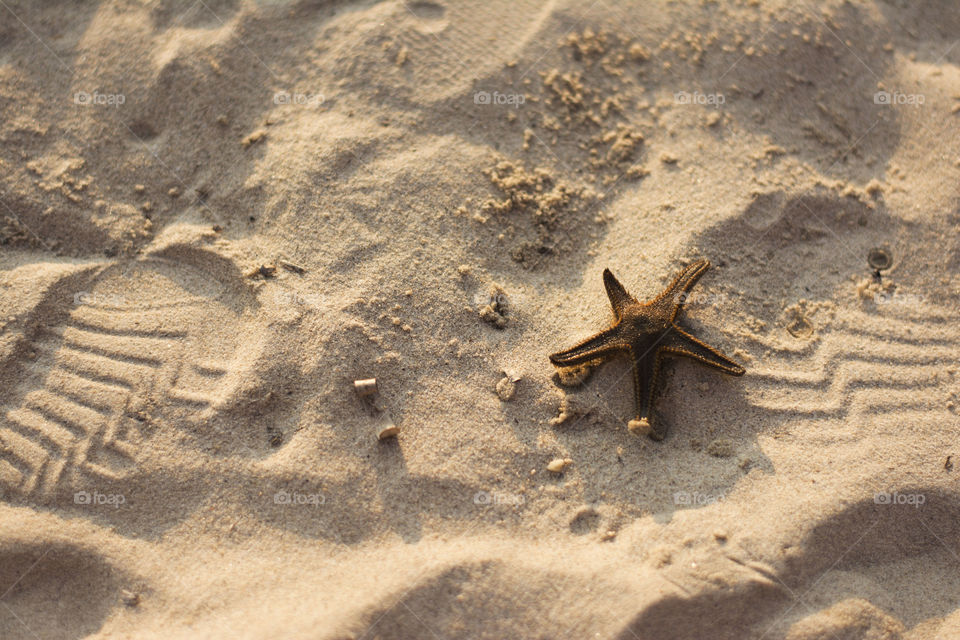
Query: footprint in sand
point(110, 352)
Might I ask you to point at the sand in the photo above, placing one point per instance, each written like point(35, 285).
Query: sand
point(216, 216)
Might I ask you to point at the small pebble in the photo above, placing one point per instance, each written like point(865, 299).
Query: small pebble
point(638, 53)
point(506, 388)
point(570, 407)
point(253, 138)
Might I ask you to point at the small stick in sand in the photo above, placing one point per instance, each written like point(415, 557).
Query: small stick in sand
point(289, 266)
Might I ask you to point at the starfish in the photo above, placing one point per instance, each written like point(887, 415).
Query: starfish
point(646, 332)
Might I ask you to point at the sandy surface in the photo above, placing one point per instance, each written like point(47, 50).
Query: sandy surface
point(215, 216)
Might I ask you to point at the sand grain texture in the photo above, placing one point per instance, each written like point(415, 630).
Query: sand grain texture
point(215, 216)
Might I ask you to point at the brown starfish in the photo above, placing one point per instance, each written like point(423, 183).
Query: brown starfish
point(646, 332)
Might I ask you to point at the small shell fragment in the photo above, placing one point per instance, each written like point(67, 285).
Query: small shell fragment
point(390, 431)
point(557, 465)
point(367, 387)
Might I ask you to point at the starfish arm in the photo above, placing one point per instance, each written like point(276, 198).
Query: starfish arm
point(646, 382)
point(619, 298)
point(598, 346)
point(646, 375)
point(681, 343)
point(675, 294)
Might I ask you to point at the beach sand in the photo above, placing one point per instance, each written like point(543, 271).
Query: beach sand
point(216, 216)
